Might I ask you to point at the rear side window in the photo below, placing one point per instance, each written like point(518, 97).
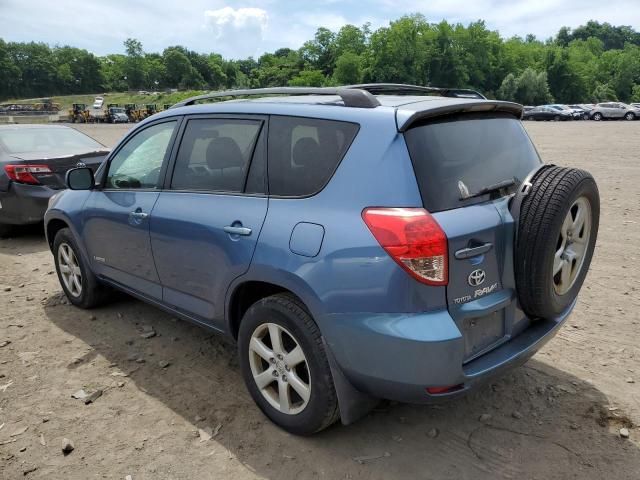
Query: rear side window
point(461, 153)
point(304, 153)
point(214, 155)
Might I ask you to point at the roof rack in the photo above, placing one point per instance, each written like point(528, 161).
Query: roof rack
point(352, 97)
point(401, 89)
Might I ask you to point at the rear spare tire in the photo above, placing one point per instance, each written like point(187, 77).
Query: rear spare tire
point(557, 232)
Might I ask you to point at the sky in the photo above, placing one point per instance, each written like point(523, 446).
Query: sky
point(252, 27)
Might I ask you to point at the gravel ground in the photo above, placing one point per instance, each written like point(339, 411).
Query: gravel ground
point(559, 416)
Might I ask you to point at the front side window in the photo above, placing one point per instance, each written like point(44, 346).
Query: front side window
point(304, 153)
point(215, 154)
point(138, 163)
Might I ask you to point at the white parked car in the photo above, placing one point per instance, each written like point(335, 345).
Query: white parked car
point(98, 102)
point(615, 110)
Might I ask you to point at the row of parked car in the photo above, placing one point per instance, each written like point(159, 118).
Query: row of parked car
point(583, 111)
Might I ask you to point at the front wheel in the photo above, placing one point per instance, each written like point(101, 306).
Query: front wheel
point(78, 282)
point(597, 116)
point(630, 116)
point(556, 118)
point(285, 366)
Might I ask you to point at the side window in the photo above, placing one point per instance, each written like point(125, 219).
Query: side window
point(215, 154)
point(304, 153)
point(137, 164)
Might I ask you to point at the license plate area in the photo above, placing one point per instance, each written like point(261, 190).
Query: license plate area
point(482, 334)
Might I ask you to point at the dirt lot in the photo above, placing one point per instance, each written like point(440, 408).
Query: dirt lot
point(557, 417)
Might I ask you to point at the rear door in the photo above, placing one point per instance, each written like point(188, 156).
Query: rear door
point(207, 220)
point(454, 158)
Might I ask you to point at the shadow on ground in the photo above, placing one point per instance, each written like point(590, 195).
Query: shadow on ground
point(24, 240)
point(539, 421)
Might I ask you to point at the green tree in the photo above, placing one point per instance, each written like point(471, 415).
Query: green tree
point(134, 64)
point(348, 69)
point(308, 78)
point(533, 88)
point(508, 89)
point(177, 66)
point(350, 39)
point(319, 53)
point(10, 79)
point(603, 92)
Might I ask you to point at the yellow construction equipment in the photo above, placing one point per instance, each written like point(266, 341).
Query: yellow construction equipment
point(78, 113)
point(46, 106)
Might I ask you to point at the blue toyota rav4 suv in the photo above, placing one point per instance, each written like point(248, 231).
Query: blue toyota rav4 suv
point(361, 242)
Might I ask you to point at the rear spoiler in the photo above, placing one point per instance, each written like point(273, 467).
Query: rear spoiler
point(408, 115)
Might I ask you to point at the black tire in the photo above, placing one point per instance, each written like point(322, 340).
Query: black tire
point(92, 293)
point(597, 116)
point(630, 116)
point(554, 191)
point(287, 311)
point(556, 118)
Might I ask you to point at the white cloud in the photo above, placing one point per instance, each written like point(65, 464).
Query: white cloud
point(266, 25)
point(240, 31)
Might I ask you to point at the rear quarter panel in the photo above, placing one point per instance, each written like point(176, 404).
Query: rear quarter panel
point(351, 272)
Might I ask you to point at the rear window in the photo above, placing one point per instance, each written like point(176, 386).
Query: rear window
point(304, 153)
point(45, 139)
point(470, 152)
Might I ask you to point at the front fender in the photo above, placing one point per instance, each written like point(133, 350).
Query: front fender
point(67, 206)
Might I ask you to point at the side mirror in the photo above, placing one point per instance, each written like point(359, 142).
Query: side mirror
point(80, 179)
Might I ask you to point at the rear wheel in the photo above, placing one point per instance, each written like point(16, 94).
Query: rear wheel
point(557, 233)
point(285, 367)
point(78, 282)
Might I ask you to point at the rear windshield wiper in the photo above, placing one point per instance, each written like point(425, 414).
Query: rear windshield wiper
point(489, 189)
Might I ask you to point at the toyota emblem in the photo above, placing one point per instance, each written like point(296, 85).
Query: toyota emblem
point(476, 277)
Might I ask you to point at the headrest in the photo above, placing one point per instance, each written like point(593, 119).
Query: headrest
point(224, 152)
point(306, 151)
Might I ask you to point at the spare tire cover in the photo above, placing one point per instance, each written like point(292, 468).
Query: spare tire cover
point(557, 230)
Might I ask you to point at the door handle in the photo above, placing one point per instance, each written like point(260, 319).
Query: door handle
point(139, 215)
point(233, 230)
point(473, 251)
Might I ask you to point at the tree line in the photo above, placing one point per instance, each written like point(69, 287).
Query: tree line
point(591, 63)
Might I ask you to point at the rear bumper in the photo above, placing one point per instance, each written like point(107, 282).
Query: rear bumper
point(24, 204)
point(397, 356)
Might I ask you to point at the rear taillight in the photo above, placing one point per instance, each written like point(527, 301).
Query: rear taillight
point(25, 173)
point(413, 238)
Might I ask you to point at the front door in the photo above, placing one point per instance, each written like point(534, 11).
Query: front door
point(116, 229)
point(206, 222)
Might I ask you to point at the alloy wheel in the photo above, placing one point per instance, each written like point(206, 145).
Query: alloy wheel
point(572, 245)
point(70, 269)
point(280, 368)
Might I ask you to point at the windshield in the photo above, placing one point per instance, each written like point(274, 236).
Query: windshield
point(46, 140)
point(468, 153)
